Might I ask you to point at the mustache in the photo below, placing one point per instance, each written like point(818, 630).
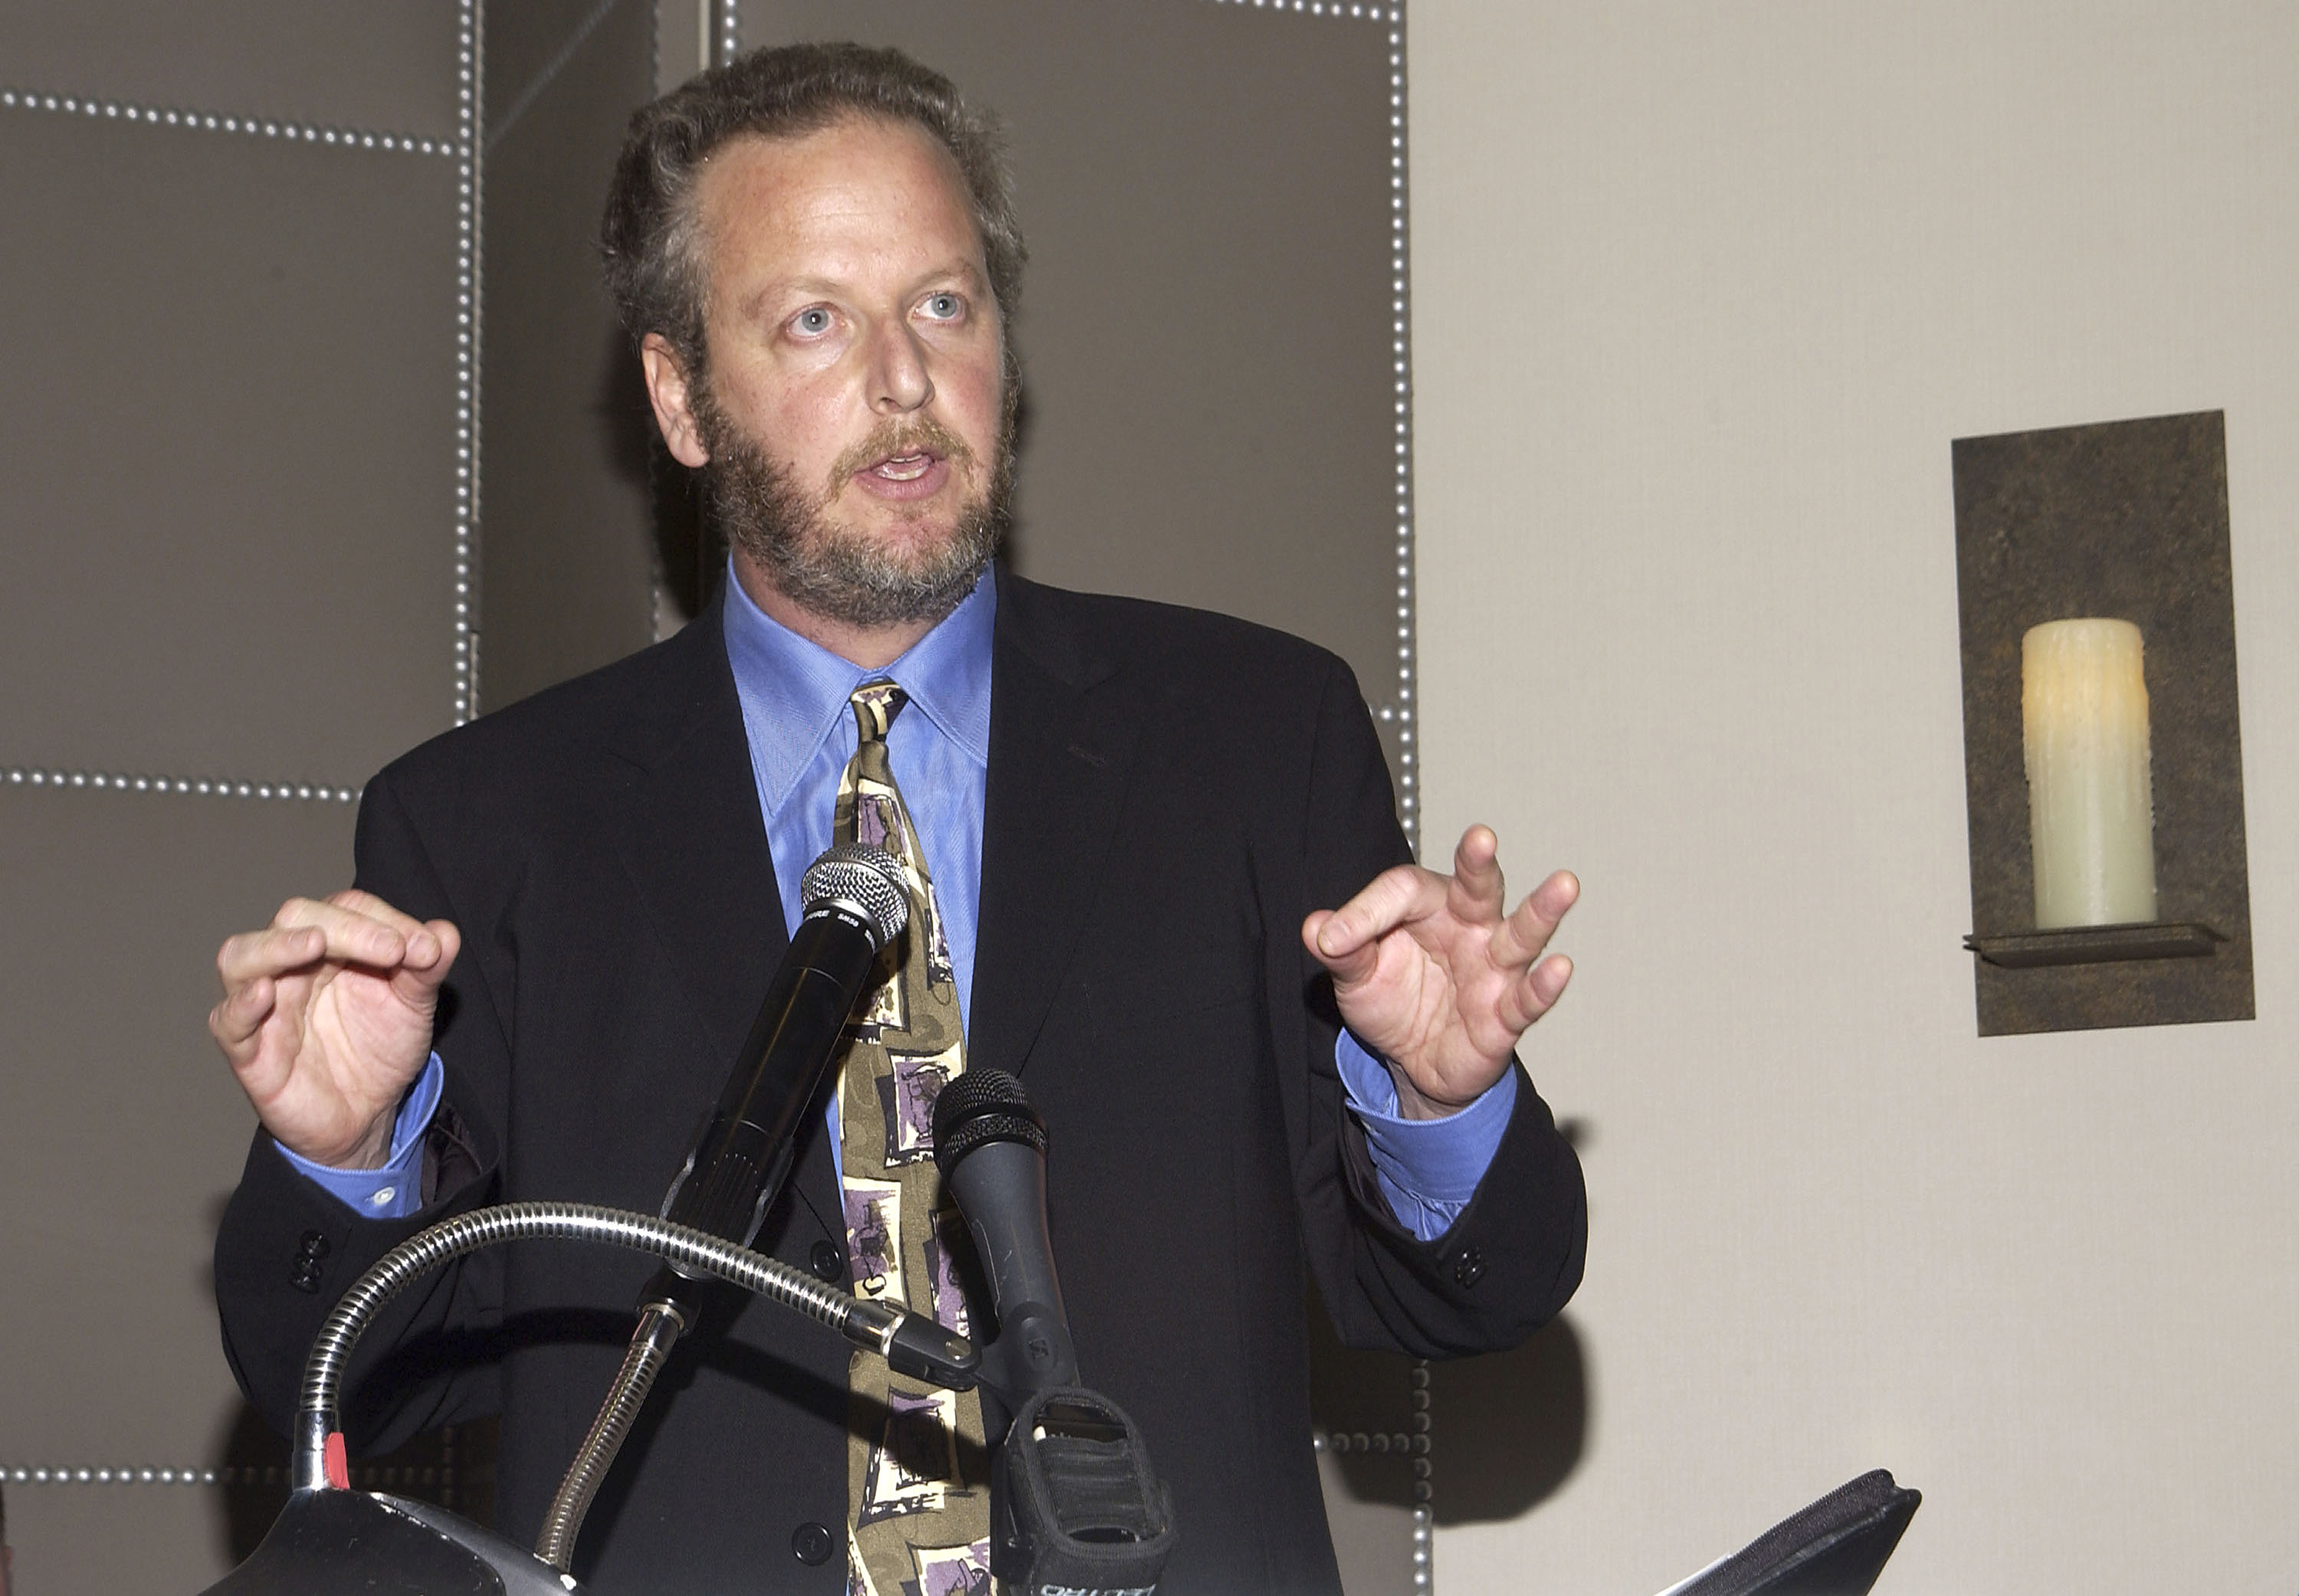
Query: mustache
point(914, 435)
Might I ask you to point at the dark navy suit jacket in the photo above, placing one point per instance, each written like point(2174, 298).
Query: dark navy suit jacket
point(1170, 792)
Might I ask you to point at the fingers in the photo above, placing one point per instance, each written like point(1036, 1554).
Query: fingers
point(347, 927)
point(234, 1021)
point(430, 945)
point(421, 942)
point(1352, 964)
point(1519, 938)
point(260, 956)
point(1401, 893)
point(1535, 992)
point(1478, 889)
point(1447, 916)
point(431, 950)
point(304, 932)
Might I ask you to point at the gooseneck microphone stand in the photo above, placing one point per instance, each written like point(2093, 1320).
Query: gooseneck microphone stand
point(329, 1538)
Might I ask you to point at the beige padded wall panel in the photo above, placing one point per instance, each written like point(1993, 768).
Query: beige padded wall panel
point(318, 61)
point(124, 1130)
point(1206, 321)
point(565, 562)
point(230, 509)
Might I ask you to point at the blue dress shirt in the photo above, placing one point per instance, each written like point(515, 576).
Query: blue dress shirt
point(802, 732)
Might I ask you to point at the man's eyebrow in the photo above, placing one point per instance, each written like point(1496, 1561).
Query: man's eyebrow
point(780, 287)
point(966, 271)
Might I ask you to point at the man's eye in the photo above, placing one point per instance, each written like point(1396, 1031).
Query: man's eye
point(812, 322)
point(945, 307)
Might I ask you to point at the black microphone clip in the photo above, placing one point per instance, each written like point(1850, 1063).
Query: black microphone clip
point(1075, 1506)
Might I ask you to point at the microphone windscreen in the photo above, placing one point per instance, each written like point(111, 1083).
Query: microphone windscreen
point(867, 879)
point(981, 1106)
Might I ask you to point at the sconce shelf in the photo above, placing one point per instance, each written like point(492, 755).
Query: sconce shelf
point(2097, 944)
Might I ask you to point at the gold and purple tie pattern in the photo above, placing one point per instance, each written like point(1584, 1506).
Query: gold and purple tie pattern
point(916, 1472)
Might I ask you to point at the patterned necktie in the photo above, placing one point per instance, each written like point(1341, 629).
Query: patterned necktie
point(917, 1473)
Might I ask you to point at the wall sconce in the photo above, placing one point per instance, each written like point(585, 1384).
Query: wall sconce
point(2103, 754)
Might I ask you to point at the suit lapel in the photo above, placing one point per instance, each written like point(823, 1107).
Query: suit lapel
point(695, 846)
point(1058, 763)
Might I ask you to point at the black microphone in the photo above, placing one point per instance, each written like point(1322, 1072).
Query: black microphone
point(857, 901)
point(989, 1146)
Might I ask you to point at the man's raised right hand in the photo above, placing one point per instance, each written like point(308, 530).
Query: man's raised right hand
point(326, 1019)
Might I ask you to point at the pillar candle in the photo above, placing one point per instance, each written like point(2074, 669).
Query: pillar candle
point(2091, 808)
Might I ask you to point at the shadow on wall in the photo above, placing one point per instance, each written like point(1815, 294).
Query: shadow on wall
point(1508, 1429)
point(1357, 1398)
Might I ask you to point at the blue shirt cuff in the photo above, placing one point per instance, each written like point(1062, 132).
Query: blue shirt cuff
point(396, 1190)
point(1427, 1169)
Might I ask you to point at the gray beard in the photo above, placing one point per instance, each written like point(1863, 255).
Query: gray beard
point(823, 566)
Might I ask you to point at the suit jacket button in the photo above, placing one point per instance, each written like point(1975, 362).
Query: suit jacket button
point(1469, 1268)
point(829, 1262)
point(810, 1543)
point(310, 1251)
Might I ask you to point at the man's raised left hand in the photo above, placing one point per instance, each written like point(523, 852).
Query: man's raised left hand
point(1431, 974)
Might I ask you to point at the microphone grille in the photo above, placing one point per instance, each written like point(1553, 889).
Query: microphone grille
point(981, 1106)
point(866, 879)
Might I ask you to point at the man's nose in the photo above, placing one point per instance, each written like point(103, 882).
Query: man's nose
point(898, 378)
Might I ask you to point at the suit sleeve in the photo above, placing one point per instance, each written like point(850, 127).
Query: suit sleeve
point(1513, 1256)
point(288, 1249)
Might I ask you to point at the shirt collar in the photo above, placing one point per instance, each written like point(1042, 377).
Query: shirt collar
point(794, 691)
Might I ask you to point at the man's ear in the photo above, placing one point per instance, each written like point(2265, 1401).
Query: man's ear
point(673, 401)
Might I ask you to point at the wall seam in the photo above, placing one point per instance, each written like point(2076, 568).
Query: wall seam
point(470, 265)
point(1425, 1559)
point(1401, 350)
point(267, 1473)
point(18, 775)
point(339, 137)
point(1333, 9)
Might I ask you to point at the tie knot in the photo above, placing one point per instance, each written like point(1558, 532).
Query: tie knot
point(876, 706)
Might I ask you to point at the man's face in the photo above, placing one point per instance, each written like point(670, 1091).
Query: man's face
point(855, 417)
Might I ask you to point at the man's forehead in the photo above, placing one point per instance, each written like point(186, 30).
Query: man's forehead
point(859, 170)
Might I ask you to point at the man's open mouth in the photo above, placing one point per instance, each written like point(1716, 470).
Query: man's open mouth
point(904, 467)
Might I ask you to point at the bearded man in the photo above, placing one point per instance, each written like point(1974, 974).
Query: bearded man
point(1126, 826)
